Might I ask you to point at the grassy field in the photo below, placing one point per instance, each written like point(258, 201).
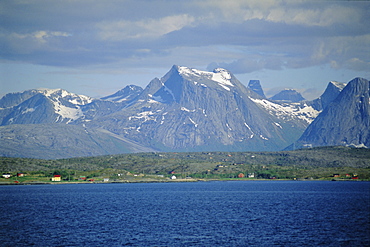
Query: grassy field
point(339, 163)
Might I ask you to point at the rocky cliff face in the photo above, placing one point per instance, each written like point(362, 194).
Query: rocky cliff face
point(344, 121)
point(331, 92)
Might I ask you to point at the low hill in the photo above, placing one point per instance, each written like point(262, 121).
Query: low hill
point(309, 161)
point(56, 141)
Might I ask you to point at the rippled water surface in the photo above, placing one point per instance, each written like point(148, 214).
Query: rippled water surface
point(248, 213)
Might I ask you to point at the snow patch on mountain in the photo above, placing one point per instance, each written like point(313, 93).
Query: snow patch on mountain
point(223, 77)
point(145, 116)
point(264, 138)
point(28, 110)
point(219, 75)
point(169, 91)
point(60, 97)
point(339, 85)
point(278, 125)
point(67, 112)
point(118, 99)
point(192, 72)
point(155, 99)
point(285, 111)
point(187, 110)
point(192, 121)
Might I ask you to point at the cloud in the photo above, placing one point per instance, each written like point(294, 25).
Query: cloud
point(25, 43)
point(143, 29)
point(243, 36)
point(241, 66)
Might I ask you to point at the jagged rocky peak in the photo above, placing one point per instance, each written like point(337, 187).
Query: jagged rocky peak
point(331, 92)
point(255, 86)
point(181, 80)
point(288, 95)
point(345, 121)
point(126, 94)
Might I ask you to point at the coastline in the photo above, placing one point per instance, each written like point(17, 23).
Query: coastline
point(169, 181)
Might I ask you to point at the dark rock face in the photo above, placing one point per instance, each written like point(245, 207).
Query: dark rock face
point(288, 95)
point(255, 86)
point(345, 121)
point(331, 92)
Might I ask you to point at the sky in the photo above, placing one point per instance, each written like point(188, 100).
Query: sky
point(96, 48)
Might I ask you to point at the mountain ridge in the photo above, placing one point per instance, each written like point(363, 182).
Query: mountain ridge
point(185, 110)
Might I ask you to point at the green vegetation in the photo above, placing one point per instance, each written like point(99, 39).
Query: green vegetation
point(315, 163)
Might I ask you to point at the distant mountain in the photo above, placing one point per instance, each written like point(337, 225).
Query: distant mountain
point(255, 86)
point(53, 141)
point(126, 94)
point(194, 110)
point(42, 106)
point(185, 110)
point(344, 121)
point(13, 99)
point(288, 95)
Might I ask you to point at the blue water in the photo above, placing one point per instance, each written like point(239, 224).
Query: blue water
point(250, 213)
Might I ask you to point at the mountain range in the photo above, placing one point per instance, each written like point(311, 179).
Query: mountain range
point(185, 110)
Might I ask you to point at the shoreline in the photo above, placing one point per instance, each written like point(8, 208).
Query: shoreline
point(173, 181)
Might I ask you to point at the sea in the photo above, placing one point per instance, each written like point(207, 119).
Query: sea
point(218, 213)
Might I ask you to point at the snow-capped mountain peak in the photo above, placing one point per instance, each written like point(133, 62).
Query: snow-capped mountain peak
point(219, 75)
point(67, 105)
point(70, 97)
point(44, 106)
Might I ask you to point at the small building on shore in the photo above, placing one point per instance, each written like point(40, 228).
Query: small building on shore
point(56, 178)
